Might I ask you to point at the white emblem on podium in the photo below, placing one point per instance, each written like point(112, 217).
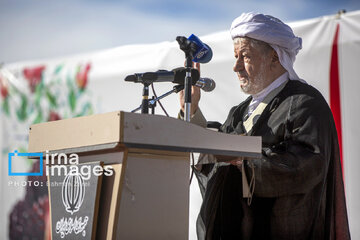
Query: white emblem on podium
point(73, 191)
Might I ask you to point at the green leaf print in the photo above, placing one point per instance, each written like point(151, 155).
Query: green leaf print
point(72, 100)
point(21, 112)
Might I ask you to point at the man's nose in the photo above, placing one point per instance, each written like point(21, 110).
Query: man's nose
point(239, 65)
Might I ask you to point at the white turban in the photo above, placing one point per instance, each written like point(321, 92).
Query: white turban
point(272, 31)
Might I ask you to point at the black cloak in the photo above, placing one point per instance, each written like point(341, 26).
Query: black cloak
point(299, 191)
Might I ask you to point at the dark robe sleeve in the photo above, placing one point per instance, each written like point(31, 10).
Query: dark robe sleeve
point(298, 162)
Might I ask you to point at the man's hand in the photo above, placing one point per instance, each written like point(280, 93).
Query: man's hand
point(236, 161)
point(195, 95)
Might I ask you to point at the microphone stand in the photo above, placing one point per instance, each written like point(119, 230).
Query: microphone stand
point(187, 89)
point(152, 102)
point(152, 106)
point(189, 48)
point(145, 95)
point(145, 99)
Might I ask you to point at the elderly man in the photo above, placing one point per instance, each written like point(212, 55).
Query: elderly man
point(296, 188)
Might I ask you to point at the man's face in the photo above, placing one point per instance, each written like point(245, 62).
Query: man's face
point(252, 66)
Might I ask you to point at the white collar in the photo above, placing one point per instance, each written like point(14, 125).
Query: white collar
point(275, 84)
point(258, 97)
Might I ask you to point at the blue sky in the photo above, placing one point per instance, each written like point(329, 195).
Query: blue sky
point(37, 29)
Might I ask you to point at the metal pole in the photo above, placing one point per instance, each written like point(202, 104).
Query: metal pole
point(187, 90)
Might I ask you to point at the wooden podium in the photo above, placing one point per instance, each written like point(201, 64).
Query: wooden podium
point(147, 197)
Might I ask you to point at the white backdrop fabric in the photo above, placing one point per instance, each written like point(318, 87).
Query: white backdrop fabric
point(110, 92)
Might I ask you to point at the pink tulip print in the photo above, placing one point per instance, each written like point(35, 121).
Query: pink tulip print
point(33, 76)
point(82, 76)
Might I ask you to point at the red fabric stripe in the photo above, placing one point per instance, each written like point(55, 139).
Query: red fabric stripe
point(335, 103)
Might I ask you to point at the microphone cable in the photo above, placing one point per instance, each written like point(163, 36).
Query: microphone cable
point(162, 107)
point(192, 162)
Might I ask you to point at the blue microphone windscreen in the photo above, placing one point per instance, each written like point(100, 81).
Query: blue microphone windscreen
point(203, 52)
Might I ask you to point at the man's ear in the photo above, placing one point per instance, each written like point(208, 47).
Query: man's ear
point(274, 57)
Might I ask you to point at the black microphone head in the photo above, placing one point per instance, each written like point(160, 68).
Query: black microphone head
point(151, 76)
point(184, 43)
point(131, 78)
point(181, 39)
point(180, 74)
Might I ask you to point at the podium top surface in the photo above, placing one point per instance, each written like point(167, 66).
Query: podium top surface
point(132, 130)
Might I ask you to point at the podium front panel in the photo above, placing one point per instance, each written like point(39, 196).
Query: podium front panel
point(155, 198)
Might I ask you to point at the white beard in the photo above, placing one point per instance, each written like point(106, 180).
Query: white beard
point(257, 84)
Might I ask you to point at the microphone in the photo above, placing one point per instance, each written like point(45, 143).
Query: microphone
point(206, 84)
point(200, 51)
point(176, 76)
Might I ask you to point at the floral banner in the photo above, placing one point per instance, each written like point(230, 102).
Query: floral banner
point(29, 96)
